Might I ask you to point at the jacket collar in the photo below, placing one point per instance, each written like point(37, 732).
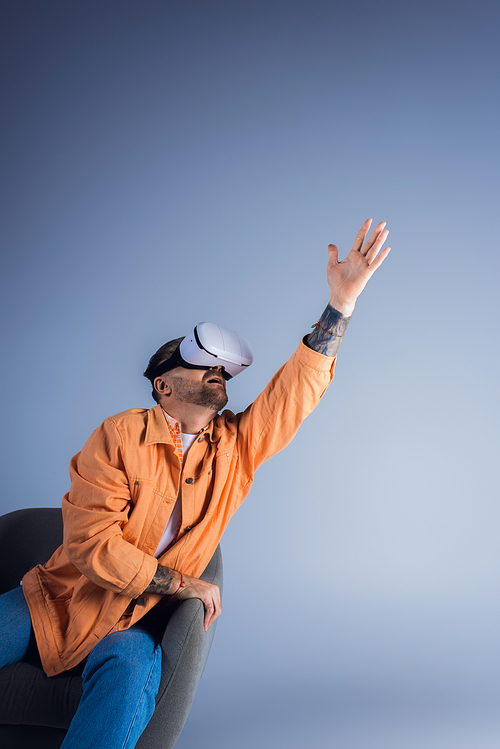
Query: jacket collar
point(157, 428)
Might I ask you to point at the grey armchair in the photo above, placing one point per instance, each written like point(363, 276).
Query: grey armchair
point(36, 710)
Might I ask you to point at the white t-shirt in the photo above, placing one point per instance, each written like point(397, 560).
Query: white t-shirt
point(171, 529)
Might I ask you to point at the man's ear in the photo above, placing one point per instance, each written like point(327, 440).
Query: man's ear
point(161, 387)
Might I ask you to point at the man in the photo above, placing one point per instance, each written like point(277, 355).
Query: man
point(152, 492)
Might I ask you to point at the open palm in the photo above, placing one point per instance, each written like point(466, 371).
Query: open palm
point(348, 278)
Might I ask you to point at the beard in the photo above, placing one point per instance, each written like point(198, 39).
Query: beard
point(213, 397)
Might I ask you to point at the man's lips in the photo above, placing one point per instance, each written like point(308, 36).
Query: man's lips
point(217, 379)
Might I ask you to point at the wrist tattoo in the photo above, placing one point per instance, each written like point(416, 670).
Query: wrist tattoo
point(162, 581)
point(328, 332)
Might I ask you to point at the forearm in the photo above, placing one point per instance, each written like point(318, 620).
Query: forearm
point(328, 331)
point(165, 581)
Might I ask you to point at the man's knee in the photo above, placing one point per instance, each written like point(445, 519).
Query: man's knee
point(129, 656)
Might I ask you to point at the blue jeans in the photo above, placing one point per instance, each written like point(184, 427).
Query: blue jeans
point(120, 680)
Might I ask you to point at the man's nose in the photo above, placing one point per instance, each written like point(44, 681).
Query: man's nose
point(221, 370)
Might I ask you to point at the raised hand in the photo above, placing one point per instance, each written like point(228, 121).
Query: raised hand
point(348, 278)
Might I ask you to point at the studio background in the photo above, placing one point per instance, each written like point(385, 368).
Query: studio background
point(165, 163)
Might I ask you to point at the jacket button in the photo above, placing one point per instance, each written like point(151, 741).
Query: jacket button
point(142, 601)
point(201, 439)
point(188, 528)
point(189, 480)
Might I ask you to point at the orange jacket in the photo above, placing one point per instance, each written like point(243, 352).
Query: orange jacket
point(124, 484)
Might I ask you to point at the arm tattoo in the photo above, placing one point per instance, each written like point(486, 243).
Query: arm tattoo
point(161, 581)
point(333, 322)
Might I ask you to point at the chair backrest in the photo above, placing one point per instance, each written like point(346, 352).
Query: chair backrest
point(27, 538)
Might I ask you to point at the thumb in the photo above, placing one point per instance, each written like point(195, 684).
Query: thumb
point(333, 253)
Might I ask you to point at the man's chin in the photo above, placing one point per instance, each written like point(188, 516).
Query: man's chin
point(220, 402)
point(214, 399)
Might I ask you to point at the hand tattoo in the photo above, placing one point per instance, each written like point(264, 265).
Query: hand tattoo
point(326, 338)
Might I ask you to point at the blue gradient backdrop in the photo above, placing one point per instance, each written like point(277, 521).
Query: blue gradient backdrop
point(169, 162)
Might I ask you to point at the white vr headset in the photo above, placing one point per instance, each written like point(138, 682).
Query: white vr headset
point(210, 345)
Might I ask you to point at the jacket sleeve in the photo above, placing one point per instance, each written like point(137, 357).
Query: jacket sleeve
point(95, 511)
point(272, 420)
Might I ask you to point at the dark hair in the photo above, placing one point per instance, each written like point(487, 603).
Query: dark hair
point(163, 353)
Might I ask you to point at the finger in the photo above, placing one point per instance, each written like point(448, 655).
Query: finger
point(361, 235)
point(218, 606)
point(210, 620)
point(377, 261)
point(375, 248)
point(209, 610)
point(216, 610)
point(373, 238)
point(333, 253)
